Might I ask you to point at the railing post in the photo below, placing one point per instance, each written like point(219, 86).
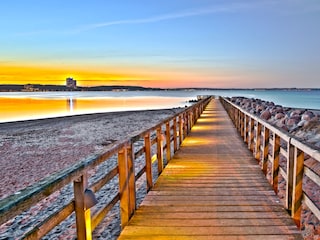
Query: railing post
point(251, 135)
point(160, 150)
point(275, 161)
point(124, 187)
point(147, 145)
point(243, 125)
point(289, 180)
point(188, 122)
point(175, 142)
point(245, 128)
point(83, 215)
point(168, 143)
point(297, 186)
point(197, 113)
point(265, 154)
point(185, 125)
point(132, 180)
point(239, 121)
point(258, 142)
point(180, 129)
point(236, 118)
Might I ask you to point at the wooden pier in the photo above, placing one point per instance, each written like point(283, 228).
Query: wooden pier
point(212, 188)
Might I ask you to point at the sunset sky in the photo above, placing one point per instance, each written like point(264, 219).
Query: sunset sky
point(165, 43)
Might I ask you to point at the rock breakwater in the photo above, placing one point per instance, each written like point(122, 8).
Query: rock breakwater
point(304, 124)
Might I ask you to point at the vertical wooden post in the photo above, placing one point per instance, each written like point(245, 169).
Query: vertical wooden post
point(297, 186)
point(197, 113)
point(251, 135)
point(168, 143)
point(258, 142)
point(265, 154)
point(175, 142)
point(193, 120)
point(83, 216)
point(123, 186)
point(275, 162)
point(185, 125)
point(243, 125)
point(239, 121)
point(159, 150)
point(245, 128)
point(147, 146)
point(236, 118)
point(188, 122)
point(289, 180)
point(132, 180)
point(180, 129)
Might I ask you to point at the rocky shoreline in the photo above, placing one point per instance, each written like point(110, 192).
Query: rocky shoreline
point(303, 124)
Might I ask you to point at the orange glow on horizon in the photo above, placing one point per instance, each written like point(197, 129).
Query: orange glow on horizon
point(97, 75)
point(24, 74)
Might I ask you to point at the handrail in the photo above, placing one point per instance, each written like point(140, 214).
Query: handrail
point(176, 128)
point(256, 133)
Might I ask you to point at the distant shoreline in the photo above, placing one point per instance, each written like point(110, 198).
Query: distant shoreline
point(120, 88)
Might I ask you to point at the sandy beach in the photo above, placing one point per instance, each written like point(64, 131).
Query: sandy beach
point(33, 150)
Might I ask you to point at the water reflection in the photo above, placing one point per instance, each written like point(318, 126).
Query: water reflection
point(71, 104)
point(25, 108)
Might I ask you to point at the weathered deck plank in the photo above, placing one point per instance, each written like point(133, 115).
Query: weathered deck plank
point(211, 189)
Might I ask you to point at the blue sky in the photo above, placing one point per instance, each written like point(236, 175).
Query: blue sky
point(186, 43)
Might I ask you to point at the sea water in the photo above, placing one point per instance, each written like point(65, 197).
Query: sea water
point(15, 106)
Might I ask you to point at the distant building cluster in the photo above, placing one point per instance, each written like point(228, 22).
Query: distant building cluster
point(71, 83)
point(29, 88)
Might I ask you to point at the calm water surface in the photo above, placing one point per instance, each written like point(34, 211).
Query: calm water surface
point(16, 106)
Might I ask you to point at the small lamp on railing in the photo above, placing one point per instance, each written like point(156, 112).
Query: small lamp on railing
point(89, 199)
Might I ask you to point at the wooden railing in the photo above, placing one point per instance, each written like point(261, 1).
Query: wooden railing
point(268, 143)
point(172, 131)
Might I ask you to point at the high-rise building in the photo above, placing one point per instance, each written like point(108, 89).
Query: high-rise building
point(71, 83)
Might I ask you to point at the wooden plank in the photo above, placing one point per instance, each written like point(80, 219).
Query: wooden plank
point(211, 208)
point(212, 231)
point(214, 222)
point(208, 237)
point(208, 198)
point(211, 192)
point(211, 203)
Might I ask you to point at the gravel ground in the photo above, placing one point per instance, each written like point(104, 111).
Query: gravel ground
point(33, 150)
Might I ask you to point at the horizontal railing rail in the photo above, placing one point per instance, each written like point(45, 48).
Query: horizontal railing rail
point(170, 131)
point(268, 144)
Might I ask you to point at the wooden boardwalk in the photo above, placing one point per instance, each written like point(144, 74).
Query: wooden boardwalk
point(212, 189)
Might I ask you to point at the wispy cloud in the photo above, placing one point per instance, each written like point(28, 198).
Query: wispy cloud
point(282, 6)
point(171, 16)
